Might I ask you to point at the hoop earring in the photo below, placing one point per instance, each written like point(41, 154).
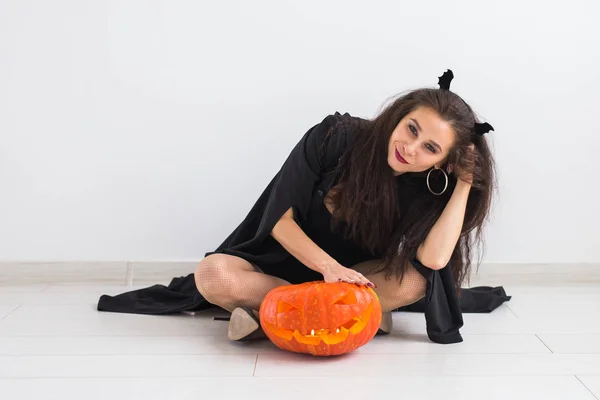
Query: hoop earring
point(445, 186)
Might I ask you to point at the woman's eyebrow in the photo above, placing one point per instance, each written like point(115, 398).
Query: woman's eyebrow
point(417, 123)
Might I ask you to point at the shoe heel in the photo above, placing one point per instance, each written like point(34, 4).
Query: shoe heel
point(243, 325)
point(386, 323)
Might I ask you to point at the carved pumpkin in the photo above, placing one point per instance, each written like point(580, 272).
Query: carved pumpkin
point(320, 318)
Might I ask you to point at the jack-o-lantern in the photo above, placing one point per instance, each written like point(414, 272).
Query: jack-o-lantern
point(320, 318)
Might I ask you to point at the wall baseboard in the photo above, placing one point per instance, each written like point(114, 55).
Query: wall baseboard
point(142, 273)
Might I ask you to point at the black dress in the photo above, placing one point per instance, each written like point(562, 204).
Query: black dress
point(317, 227)
point(301, 184)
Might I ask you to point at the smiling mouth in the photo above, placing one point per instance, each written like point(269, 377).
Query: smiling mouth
point(400, 158)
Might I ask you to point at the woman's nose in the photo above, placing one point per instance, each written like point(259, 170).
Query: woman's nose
point(410, 149)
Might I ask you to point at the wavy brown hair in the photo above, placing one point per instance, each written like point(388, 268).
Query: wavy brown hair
point(392, 215)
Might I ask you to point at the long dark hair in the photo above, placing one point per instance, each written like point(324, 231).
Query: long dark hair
point(392, 215)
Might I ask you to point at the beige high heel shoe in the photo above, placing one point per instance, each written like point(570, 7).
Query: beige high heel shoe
point(244, 325)
point(386, 323)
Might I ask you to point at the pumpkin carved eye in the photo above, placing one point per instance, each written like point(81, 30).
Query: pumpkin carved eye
point(320, 318)
point(283, 307)
point(348, 299)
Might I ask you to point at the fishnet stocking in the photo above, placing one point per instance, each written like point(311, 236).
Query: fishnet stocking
point(392, 294)
point(229, 282)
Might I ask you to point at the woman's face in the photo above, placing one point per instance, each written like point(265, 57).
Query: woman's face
point(422, 139)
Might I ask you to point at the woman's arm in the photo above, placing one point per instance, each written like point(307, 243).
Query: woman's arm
point(291, 236)
point(436, 250)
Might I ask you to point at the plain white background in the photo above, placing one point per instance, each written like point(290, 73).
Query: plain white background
point(145, 130)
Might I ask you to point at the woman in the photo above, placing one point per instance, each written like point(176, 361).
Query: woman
point(372, 202)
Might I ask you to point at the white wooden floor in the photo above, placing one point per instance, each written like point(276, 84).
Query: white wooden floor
point(543, 344)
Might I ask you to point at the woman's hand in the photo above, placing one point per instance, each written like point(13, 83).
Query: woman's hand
point(469, 159)
point(338, 273)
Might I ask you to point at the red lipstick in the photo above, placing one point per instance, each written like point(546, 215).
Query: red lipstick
point(399, 158)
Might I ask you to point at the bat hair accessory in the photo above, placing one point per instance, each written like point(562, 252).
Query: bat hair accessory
point(444, 82)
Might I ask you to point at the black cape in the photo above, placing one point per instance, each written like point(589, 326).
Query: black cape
point(308, 173)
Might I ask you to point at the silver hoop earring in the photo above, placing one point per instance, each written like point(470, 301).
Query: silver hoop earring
point(445, 186)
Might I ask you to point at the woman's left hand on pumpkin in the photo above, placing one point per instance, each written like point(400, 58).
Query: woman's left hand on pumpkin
point(338, 273)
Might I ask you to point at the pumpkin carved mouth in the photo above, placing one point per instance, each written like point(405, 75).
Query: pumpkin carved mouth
point(289, 315)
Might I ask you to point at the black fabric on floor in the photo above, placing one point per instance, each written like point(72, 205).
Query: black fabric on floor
point(181, 295)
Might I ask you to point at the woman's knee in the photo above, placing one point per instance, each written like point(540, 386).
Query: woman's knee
point(412, 288)
point(216, 276)
point(394, 293)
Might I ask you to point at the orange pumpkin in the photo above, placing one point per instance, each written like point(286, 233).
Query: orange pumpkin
point(320, 318)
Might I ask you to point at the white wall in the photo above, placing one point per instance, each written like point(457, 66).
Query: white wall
point(145, 130)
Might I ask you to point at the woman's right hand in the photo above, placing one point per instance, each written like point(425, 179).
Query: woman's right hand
point(339, 273)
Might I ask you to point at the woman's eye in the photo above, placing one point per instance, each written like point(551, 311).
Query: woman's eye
point(430, 148)
point(413, 129)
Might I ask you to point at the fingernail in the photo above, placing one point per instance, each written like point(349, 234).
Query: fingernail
point(339, 279)
point(370, 284)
